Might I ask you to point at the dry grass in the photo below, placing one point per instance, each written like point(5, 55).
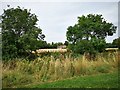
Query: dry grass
point(23, 72)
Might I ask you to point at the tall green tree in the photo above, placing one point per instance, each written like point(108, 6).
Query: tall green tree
point(92, 30)
point(19, 32)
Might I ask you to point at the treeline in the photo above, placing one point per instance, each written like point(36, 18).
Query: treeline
point(46, 45)
point(114, 44)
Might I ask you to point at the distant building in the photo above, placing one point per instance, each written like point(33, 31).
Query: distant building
point(61, 47)
point(49, 50)
point(112, 49)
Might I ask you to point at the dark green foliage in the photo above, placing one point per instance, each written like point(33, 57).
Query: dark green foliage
point(98, 44)
point(110, 45)
point(116, 42)
point(89, 34)
point(66, 43)
point(83, 46)
point(53, 45)
point(19, 33)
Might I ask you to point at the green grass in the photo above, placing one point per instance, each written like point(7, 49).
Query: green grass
point(109, 80)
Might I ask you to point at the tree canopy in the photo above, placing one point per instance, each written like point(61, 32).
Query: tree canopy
point(116, 42)
point(19, 32)
point(92, 30)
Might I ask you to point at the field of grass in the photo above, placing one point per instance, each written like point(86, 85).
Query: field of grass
point(109, 80)
point(20, 73)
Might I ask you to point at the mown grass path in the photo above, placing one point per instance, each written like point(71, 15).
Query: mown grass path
point(109, 80)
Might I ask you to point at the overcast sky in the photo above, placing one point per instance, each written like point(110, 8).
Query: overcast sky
point(55, 17)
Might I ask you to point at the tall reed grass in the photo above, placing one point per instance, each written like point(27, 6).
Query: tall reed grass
point(17, 73)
